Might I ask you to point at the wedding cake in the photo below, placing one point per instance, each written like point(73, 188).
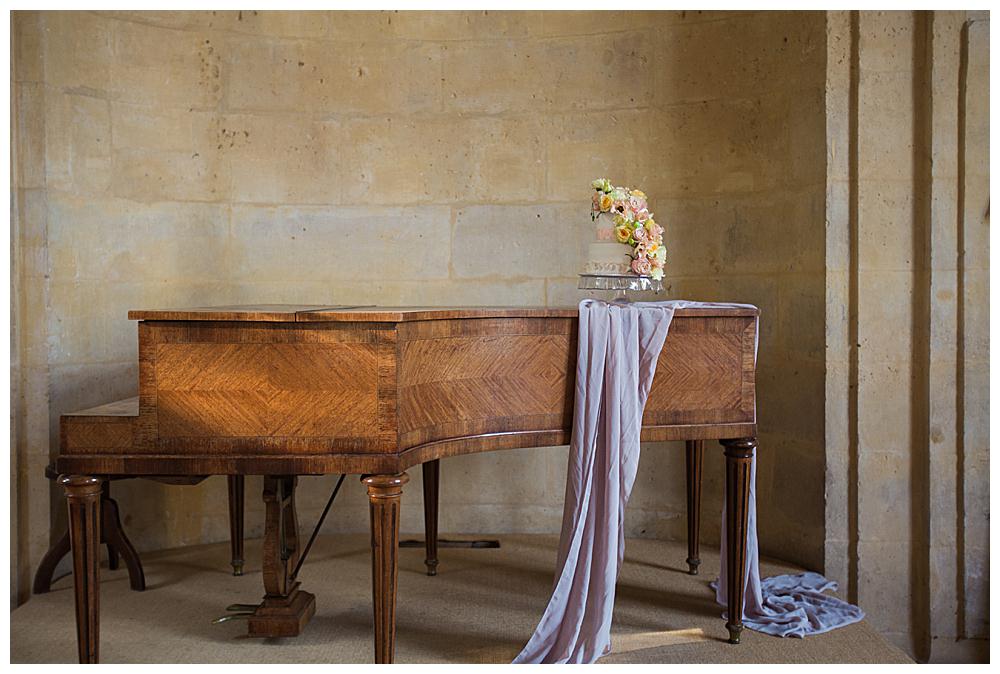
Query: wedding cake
point(627, 241)
point(606, 256)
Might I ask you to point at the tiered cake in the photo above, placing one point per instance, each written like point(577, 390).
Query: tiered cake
point(606, 256)
point(627, 241)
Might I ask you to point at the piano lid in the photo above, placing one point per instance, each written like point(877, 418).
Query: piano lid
point(294, 313)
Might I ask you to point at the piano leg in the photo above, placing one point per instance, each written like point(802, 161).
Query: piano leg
point(384, 492)
point(739, 454)
point(236, 498)
point(83, 497)
point(694, 449)
point(432, 470)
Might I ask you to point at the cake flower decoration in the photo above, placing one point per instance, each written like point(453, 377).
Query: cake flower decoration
point(633, 225)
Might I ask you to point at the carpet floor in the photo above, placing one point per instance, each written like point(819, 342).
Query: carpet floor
point(480, 608)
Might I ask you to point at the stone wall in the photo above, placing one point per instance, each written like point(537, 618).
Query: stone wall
point(744, 101)
point(907, 325)
point(193, 158)
point(397, 158)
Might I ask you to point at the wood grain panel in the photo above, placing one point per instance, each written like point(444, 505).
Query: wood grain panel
point(460, 378)
point(219, 383)
point(109, 427)
point(326, 395)
point(700, 375)
point(264, 367)
point(450, 359)
point(237, 332)
point(82, 435)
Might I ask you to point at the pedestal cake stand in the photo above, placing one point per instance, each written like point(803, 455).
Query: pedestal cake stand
point(621, 285)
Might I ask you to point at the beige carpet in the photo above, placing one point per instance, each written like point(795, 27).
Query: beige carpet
point(481, 607)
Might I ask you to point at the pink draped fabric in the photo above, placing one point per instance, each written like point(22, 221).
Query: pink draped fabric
point(617, 352)
point(619, 344)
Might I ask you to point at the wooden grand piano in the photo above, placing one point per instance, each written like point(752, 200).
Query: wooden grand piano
point(282, 391)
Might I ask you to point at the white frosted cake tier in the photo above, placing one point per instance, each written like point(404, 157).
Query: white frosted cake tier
point(605, 257)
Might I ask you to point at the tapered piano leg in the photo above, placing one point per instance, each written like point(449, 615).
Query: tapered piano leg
point(739, 454)
point(384, 492)
point(236, 498)
point(432, 470)
point(693, 455)
point(83, 497)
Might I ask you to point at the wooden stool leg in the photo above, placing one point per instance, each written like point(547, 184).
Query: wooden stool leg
point(112, 557)
point(739, 454)
point(432, 471)
point(83, 497)
point(43, 576)
point(236, 483)
point(384, 492)
point(112, 553)
point(694, 449)
point(113, 534)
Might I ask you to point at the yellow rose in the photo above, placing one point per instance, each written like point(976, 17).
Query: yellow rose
point(622, 233)
point(638, 193)
point(605, 203)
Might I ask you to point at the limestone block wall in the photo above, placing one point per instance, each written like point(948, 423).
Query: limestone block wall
point(744, 99)
point(828, 167)
point(179, 158)
point(907, 336)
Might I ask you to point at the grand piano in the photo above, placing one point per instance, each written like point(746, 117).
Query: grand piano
point(282, 391)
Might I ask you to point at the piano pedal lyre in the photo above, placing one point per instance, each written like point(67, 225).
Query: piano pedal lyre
point(285, 609)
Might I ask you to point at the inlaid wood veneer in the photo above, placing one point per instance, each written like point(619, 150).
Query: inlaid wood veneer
point(282, 391)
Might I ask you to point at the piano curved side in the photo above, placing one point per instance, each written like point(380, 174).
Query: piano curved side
point(220, 397)
point(467, 386)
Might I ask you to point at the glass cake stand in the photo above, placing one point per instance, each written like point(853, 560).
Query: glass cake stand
point(621, 285)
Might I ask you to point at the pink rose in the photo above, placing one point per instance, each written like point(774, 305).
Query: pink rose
point(656, 231)
point(640, 234)
point(641, 266)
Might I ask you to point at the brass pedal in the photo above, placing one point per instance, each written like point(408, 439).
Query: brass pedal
point(240, 612)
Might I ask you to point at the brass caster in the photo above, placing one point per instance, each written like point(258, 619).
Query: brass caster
point(734, 633)
point(238, 569)
point(432, 568)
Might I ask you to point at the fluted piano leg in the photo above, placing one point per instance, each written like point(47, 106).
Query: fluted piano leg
point(83, 497)
point(432, 471)
point(739, 454)
point(694, 450)
point(236, 499)
point(384, 492)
